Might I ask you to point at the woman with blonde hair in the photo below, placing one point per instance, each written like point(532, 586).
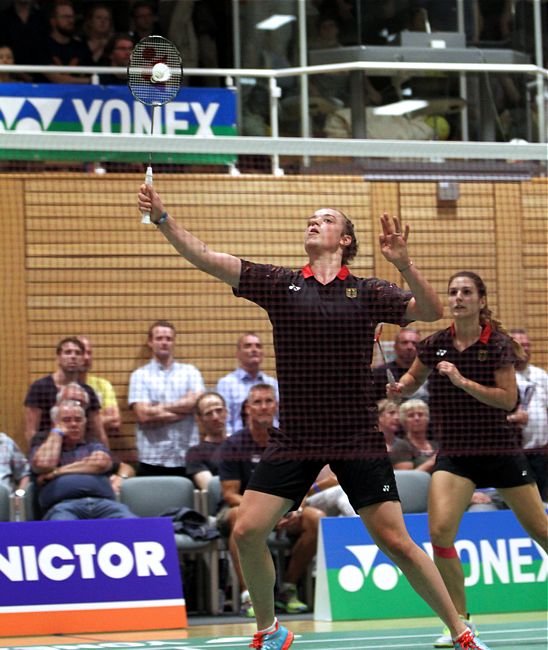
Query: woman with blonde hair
point(415, 450)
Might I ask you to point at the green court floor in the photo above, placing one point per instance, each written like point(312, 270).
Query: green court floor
point(531, 635)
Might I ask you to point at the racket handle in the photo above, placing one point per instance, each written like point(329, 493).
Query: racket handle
point(390, 377)
point(148, 181)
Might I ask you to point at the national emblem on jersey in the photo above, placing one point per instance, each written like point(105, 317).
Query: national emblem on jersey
point(482, 355)
point(351, 292)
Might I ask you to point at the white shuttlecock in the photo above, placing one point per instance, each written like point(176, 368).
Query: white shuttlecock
point(160, 73)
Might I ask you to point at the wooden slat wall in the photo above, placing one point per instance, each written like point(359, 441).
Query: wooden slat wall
point(92, 268)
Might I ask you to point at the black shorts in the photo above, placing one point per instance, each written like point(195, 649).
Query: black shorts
point(365, 481)
point(497, 471)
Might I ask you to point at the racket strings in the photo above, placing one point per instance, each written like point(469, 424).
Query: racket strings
point(146, 54)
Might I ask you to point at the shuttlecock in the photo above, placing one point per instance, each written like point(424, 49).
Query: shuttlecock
point(160, 73)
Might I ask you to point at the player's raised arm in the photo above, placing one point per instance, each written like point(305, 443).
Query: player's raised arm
point(425, 304)
point(223, 266)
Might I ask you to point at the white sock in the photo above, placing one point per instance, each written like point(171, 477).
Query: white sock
point(267, 630)
point(244, 596)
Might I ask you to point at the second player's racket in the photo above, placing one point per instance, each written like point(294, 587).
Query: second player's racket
point(389, 373)
point(154, 76)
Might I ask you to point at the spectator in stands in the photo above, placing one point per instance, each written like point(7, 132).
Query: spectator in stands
point(235, 386)
point(144, 21)
point(62, 47)
point(120, 472)
point(24, 28)
point(6, 58)
point(177, 24)
point(405, 349)
point(118, 53)
point(414, 451)
point(97, 32)
point(472, 388)
point(72, 474)
point(110, 412)
point(202, 460)
point(163, 395)
point(327, 495)
point(389, 425)
point(240, 453)
point(532, 414)
point(14, 466)
point(43, 393)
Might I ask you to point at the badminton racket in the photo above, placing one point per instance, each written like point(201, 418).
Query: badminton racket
point(154, 77)
point(389, 374)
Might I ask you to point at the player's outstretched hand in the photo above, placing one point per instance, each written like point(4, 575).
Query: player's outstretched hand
point(149, 201)
point(393, 240)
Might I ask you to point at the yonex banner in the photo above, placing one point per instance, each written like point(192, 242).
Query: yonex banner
point(201, 112)
point(89, 576)
point(505, 570)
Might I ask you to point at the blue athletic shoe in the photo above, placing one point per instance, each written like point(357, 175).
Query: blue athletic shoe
point(468, 641)
point(280, 639)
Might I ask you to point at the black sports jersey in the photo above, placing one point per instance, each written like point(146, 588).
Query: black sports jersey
point(323, 339)
point(461, 423)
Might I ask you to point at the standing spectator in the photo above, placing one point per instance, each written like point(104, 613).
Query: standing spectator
point(98, 30)
point(43, 393)
point(144, 20)
point(414, 451)
point(72, 473)
point(110, 412)
point(163, 394)
point(532, 415)
point(118, 53)
point(62, 47)
point(405, 349)
point(24, 28)
point(240, 454)
point(202, 460)
point(472, 388)
point(235, 386)
point(14, 467)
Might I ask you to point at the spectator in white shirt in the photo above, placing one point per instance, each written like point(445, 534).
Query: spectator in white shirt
point(532, 414)
point(163, 394)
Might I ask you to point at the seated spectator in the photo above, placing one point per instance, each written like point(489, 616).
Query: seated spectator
point(163, 394)
point(62, 47)
point(202, 460)
point(235, 386)
point(6, 58)
point(240, 453)
point(117, 52)
point(328, 496)
point(144, 20)
point(414, 451)
point(120, 472)
point(43, 393)
point(97, 32)
point(14, 466)
point(405, 349)
point(389, 425)
point(72, 474)
point(110, 412)
point(24, 28)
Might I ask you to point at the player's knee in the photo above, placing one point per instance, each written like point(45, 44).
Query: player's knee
point(441, 535)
